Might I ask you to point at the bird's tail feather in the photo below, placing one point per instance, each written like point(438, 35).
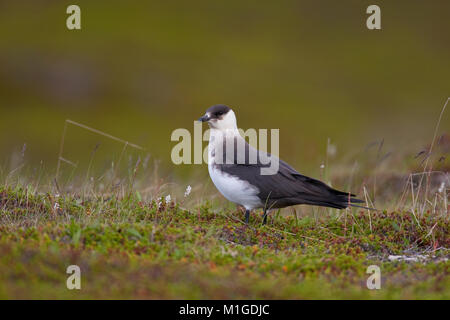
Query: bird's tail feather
point(323, 195)
point(362, 207)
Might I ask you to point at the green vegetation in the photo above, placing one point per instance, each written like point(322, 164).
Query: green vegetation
point(130, 248)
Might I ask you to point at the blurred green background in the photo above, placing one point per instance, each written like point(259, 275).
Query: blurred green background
point(140, 69)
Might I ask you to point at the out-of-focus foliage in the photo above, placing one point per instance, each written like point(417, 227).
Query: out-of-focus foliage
point(139, 69)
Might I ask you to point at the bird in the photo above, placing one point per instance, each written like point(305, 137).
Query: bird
point(235, 167)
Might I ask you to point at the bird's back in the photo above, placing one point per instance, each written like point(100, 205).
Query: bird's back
point(284, 188)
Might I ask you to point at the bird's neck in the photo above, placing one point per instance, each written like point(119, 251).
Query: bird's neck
point(217, 140)
point(219, 135)
point(224, 132)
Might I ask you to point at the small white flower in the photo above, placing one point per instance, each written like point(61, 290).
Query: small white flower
point(322, 166)
point(168, 199)
point(56, 206)
point(159, 200)
point(188, 191)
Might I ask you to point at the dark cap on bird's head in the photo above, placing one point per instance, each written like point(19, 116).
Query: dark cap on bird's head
point(215, 112)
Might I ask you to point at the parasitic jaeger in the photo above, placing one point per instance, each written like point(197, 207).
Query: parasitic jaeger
point(236, 172)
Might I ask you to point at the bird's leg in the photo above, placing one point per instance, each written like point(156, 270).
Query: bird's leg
point(247, 216)
point(264, 217)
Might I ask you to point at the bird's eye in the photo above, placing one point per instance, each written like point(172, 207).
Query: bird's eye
point(219, 113)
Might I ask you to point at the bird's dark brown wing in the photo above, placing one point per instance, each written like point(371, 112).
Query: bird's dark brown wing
point(287, 187)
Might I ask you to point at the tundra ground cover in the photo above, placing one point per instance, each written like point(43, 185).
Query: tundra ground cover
point(130, 248)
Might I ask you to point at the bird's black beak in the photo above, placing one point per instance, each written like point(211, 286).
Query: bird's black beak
point(205, 118)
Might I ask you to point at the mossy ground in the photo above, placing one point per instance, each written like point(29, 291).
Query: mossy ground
point(127, 248)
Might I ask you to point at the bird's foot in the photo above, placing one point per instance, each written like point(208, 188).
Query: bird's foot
point(247, 216)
